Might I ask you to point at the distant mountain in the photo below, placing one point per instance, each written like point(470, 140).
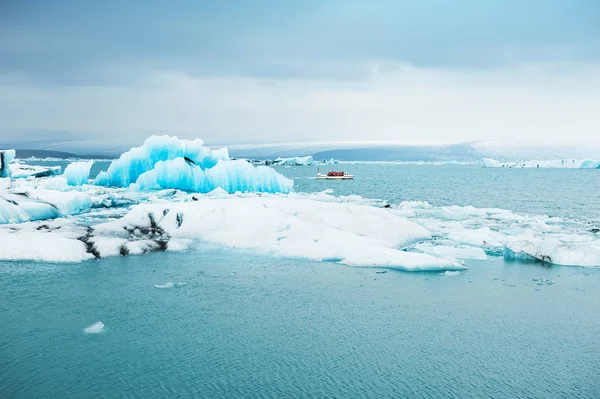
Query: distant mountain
point(455, 152)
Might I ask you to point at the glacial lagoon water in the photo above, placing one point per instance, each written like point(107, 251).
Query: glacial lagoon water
point(245, 325)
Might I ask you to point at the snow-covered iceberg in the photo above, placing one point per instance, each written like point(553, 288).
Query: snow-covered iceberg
point(78, 173)
point(356, 235)
point(168, 162)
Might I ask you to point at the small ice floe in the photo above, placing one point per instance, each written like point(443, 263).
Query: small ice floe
point(170, 284)
point(95, 328)
point(543, 281)
point(450, 273)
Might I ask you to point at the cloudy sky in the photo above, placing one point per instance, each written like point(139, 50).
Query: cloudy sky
point(234, 72)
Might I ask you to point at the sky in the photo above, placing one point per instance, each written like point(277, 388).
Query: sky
point(78, 74)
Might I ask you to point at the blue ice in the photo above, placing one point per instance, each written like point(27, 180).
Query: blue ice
point(168, 162)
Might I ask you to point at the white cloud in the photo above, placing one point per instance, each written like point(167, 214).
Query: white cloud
point(396, 103)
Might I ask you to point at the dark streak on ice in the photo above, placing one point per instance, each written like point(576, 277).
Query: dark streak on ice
point(89, 245)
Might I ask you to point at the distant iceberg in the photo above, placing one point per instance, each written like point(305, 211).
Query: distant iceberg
point(556, 163)
point(330, 161)
point(294, 161)
point(168, 162)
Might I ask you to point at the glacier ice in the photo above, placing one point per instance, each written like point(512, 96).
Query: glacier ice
point(133, 163)
point(41, 204)
point(78, 173)
point(168, 162)
point(230, 176)
point(6, 157)
point(349, 230)
point(356, 235)
point(21, 171)
point(151, 199)
point(294, 161)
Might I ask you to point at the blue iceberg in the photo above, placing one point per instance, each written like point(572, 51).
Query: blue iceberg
point(6, 157)
point(78, 173)
point(168, 162)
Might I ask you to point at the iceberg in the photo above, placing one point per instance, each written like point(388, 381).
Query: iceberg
point(6, 157)
point(78, 173)
point(167, 162)
point(294, 161)
point(551, 250)
point(230, 176)
point(292, 227)
point(330, 161)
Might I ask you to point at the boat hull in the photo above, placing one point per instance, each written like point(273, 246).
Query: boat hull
point(335, 177)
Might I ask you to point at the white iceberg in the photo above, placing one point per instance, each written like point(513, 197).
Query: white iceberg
point(168, 162)
point(356, 235)
point(294, 161)
point(78, 173)
point(553, 251)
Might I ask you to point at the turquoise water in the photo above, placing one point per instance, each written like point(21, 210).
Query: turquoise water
point(253, 326)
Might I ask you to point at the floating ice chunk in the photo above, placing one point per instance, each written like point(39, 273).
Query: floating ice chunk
point(356, 235)
point(553, 250)
point(95, 328)
point(166, 285)
point(450, 273)
point(78, 173)
point(126, 170)
point(231, 176)
point(170, 284)
point(6, 157)
point(21, 170)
